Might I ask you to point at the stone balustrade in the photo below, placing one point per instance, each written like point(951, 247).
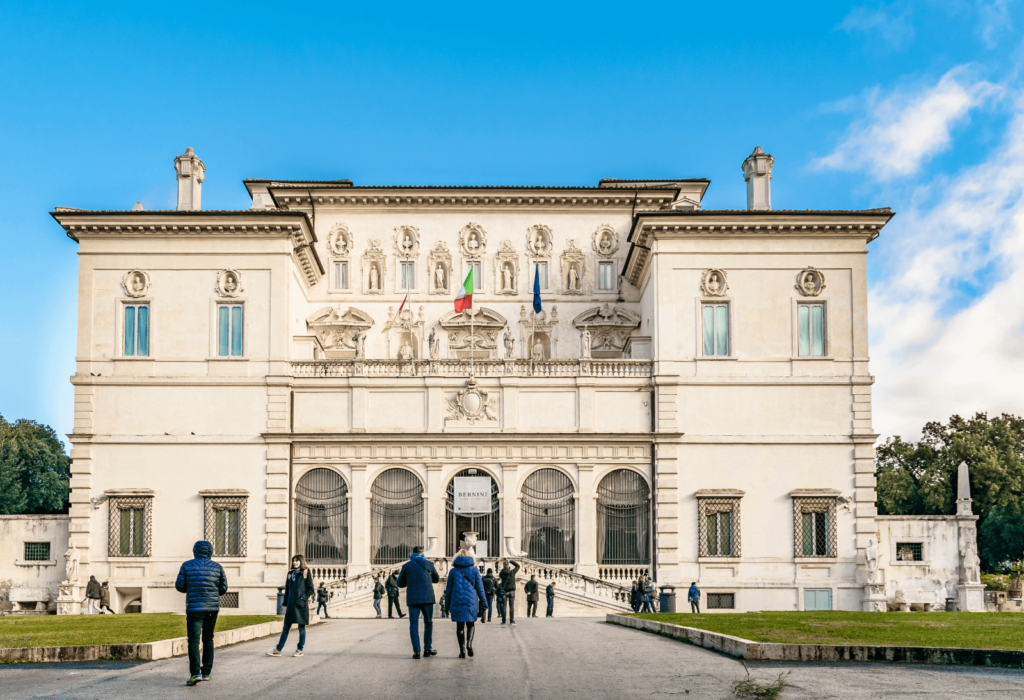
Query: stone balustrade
point(481, 368)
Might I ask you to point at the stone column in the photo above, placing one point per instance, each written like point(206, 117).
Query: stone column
point(586, 562)
point(970, 591)
point(510, 506)
point(435, 497)
point(360, 533)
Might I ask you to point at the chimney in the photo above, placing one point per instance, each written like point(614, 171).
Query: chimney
point(190, 172)
point(757, 171)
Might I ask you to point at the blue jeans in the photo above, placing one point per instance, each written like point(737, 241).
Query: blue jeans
point(284, 637)
point(376, 605)
point(551, 607)
point(414, 626)
point(321, 605)
point(647, 604)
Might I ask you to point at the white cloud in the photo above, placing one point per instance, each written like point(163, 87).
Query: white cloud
point(903, 131)
point(893, 23)
point(929, 363)
point(994, 17)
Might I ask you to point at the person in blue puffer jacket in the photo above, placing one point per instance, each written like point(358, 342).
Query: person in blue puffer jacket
point(463, 597)
point(203, 582)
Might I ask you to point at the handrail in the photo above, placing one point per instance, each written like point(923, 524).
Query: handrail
point(615, 368)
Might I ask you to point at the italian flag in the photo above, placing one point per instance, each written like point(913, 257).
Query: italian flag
point(465, 298)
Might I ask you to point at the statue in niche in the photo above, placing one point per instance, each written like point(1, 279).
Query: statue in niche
point(510, 345)
point(538, 350)
point(585, 339)
point(713, 285)
point(230, 284)
point(871, 559)
point(359, 339)
point(439, 277)
point(606, 243)
point(574, 278)
point(472, 243)
point(374, 278)
point(540, 241)
point(138, 284)
point(407, 244)
point(71, 560)
point(405, 353)
point(506, 277)
point(434, 344)
point(810, 282)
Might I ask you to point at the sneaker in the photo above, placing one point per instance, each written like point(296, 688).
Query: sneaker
point(274, 652)
point(192, 680)
point(415, 655)
point(298, 652)
point(513, 622)
point(429, 652)
point(206, 677)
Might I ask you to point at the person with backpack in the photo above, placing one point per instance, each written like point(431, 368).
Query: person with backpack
point(391, 586)
point(693, 595)
point(298, 589)
point(418, 578)
point(203, 582)
point(378, 593)
point(499, 600)
point(464, 595)
point(322, 596)
point(507, 580)
point(489, 586)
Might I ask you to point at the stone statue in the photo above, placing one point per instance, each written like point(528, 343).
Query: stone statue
point(810, 283)
point(229, 283)
point(374, 278)
point(606, 243)
point(433, 343)
point(405, 353)
point(439, 276)
point(506, 278)
point(871, 559)
point(357, 340)
point(472, 243)
point(407, 244)
point(713, 285)
point(510, 345)
point(538, 350)
point(585, 343)
point(71, 558)
point(574, 278)
point(138, 284)
point(971, 564)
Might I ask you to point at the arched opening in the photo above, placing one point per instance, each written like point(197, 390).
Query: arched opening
point(134, 606)
point(396, 516)
point(486, 525)
point(623, 519)
point(321, 517)
point(549, 517)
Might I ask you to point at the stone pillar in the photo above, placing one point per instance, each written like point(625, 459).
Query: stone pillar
point(435, 497)
point(190, 172)
point(360, 532)
point(586, 562)
point(278, 509)
point(510, 505)
point(757, 171)
point(970, 591)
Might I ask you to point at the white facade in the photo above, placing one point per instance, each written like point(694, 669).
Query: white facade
point(745, 332)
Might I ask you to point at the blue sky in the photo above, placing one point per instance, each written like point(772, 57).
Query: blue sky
point(914, 105)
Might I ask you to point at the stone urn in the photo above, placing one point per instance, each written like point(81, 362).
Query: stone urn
point(470, 538)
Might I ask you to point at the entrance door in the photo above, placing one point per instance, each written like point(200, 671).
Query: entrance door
point(817, 599)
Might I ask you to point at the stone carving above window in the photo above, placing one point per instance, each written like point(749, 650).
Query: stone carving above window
point(407, 241)
point(606, 241)
point(539, 241)
point(538, 333)
point(405, 338)
point(374, 268)
point(339, 331)
point(473, 240)
point(471, 406)
point(229, 283)
point(339, 240)
point(715, 283)
point(507, 269)
point(136, 283)
point(480, 339)
point(573, 268)
point(610, 328)
point(810, 282)
point(440, 269)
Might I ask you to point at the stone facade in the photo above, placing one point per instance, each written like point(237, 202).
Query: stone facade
point(32, 562)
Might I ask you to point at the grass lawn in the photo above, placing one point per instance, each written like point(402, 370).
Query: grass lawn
point(86, 630)
point(935, 629)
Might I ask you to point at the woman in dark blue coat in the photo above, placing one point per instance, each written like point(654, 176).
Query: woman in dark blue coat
point(463, 597)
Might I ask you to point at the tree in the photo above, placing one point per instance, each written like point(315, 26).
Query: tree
point(35, 473)
point(1001, 539)
point(921, 478)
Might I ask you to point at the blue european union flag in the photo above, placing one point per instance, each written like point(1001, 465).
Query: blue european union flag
point(536, 289)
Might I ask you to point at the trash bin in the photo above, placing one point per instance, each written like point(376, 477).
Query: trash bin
point(668, 599)
point(950, 604)
point(280, 600)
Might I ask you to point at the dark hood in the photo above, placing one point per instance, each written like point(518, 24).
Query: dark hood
point(202, 550)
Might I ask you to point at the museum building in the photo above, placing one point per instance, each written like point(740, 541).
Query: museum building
point(645, 385)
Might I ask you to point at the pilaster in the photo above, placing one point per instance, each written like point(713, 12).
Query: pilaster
point(586, 534)
point(360, 514)
point(435, 504)
point(511, 505)
point(278, 508)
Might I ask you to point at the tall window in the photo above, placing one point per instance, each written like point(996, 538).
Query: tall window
point(541, 269)
point(811, 326)
point(606, 276)
point(131, 523)
point(720, 534)
point(136, 330)
point(815, 525)
point(548, 516)
point(623, 519)
point(229, 330)
point(409, 276)
point(715, 329)
point(132, 532)
point(478, 275)
point(719, 523)
point(226, 532)
point(340, 275)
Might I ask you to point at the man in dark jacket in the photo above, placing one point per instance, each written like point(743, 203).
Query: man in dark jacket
point(418, 578)
point(322, 596)
point(693, 595)
point(391, 586)
point(550, 594)
point(203, 582)
point(507, 578)
point(489, 585)
point(378, 593)
point(532, 596)
point(93, 594)
point(298, 589)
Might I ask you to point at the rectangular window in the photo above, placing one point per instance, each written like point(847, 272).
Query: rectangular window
point(229, 600)
point(811, 327)
point(37, 551)
point(224, 523)
point(541, 270)
point(815, 534)
point(136, 330)
point(132, 532)
point(814, 524)
point(719, 534)
point(718, 524)
point(606, 276)
point(905, 551)
point(478, 275)
point(341, 275)
point(226, 533)
point(409, 276)
point(716, 329)
point(817, 599)
point(229, 330)
point(721, 601)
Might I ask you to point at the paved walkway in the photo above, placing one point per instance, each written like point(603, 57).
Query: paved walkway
point(537, 659)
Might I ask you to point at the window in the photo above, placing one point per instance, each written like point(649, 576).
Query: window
point(815, 535)
point(229, 330)
point(541, 271)
point(339, 278)
point(721, 601)
point(478, 275)
point(225, 522)
point(606, 276)
point(136, 330)
point(37, 551)
point(716, 329)
point(132, 530)
point(718, 524)
point(811, 329)
point(719, 534)
point(131, 524)
point(409, 275)
point(229, 600)
point(817, 599)
point(905, 551)
point(815, 526)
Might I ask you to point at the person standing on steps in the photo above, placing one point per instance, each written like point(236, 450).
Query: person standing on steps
point(507, 580)
point(464, 594)
point(693, 595)
point(489, 585)
point(378, 593)
point(322, 596)
point(203, 582)
point(298, 589)
point(550, 594)
point(532, 590)
point(418, 578)
point(391, 585)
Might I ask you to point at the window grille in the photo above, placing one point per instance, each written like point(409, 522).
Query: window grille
point(321, 517)
point(811, 326)
point(814, 522)
point(396, 516)
point(549, 517)
point(229, 600)
point(623, 519)
point(908, 551)
point(131, 527)
point(716, 329)
point(225, 525)
point(721, 601)
point(488, 525)
point(718, 527)
point(37, 551)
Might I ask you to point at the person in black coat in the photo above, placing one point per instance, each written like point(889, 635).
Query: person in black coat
point(532, 590)
point(298, 589)
point(322, 596)
point(418, 578)
point(550, 594)
point(93, 593)
point(203, 582)
point(499, 599)
point(507, 578)
point(378, 593)
point(391, 586)
point(490, 583)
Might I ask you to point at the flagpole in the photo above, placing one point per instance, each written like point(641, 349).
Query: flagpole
point(472, 341)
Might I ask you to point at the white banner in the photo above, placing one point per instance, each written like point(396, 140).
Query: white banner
point(472, 494)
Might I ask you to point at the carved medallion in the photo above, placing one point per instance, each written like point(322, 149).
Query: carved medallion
point(472, 405)
point(810, 282)
point(606, 241)
point(407, 241)
point(714, 283)
point(136, 283)
point(339, 240)
point(539, 241)
point(473, 240)
point(507, 264)
point(229, 283)
point(440, 269)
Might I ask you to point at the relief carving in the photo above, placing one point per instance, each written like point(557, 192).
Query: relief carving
point(136, 283)
point(606, 241)
point(482, 342)
point(473, 240)
point(340, 332)
point(714, 283)
point(610, 328)
point(229, 283)
point(339, 240)
point(472, 405)
point(810, 282)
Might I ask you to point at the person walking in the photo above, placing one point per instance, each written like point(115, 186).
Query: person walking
point(105, 597)
point(298, 589)
point(550, 595)
point(532, 596)
point(490, 584)
point(499, 600)
point(444, 610)
point(634, 599)
point(203, 582)
point(93, 593)
point(693, 595)
point(322, 596)
point(645, 594)
point(464, 595)
point(391, 586)
point(418, 578)
point(507, 580)
point(378, 593)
